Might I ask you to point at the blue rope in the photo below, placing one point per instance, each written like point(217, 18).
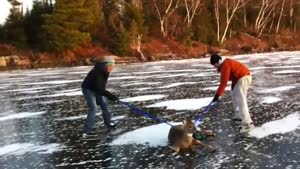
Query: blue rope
point(207, 108)
point(143, 113)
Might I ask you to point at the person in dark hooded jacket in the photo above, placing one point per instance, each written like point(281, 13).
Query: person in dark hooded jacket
point(94, 91)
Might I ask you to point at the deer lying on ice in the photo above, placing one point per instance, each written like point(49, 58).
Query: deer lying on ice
point(181, 137)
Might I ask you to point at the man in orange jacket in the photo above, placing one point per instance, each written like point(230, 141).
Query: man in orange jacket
point(239, 74)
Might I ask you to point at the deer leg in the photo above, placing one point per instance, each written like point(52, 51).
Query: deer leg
point(175, 148)
point(209, 147)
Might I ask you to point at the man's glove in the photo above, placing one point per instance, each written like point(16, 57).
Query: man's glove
point(216, 98)
point(113, 97)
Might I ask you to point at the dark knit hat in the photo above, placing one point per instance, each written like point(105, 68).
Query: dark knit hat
point(215, 58)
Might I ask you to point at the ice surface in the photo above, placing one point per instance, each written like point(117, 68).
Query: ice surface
point(177, 89)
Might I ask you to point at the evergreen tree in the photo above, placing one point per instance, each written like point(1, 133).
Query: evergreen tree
point(113, 12)
point(204, 26)
point(96, 9)
point(2, 40)
point(297, 18)
point(33, 21)
point(68, 26)
point(13, 30)
point(134, 21)
point(150, 19)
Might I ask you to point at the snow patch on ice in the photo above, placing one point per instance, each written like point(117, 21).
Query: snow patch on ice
point(52, 101)
point(31, 89)
point(270, 99)
point(133, 84)
point(74, 93)
point(214, 88)
point(143, 98)
point(287, 71)
point(51, 82)
point(71, 118)
point(122, 77)
point(79, 163)
point(276, 89)
point(71, 92)
point(142, 89)
point(273, 67)
point(177, 84)
point(78, 72)
point(154, 136)
point(285, 125)
point(183, 104)
point(203, 74)
point(43, 74)
point(32, 92)
point(167, 71)
point(172, 75)
point(21, 115)
point(141, 83)
point(22, 148)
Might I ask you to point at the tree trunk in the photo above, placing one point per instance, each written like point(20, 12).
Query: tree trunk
point(163, 15)
point(291, 14)
point(264, 15)
point(137, 44)
point(280, 16)
point(245, 16)
point(217, 14)
point(191, 7)
point(230, 12)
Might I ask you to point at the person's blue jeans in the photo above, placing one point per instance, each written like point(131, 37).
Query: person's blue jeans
point(92, 101)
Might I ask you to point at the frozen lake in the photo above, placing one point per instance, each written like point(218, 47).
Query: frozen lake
point(42, 114)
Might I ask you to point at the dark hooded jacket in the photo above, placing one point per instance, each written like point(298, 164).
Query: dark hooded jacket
point(96, 80)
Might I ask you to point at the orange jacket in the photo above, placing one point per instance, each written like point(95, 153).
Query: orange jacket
point(231, 70)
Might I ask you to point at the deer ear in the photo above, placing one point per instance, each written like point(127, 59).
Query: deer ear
point(184, 122)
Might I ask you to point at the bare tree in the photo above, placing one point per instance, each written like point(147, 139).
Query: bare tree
point(273, 20)
point(264, 16)
point(245, 15)
point(291, 14)
point(280, 16)
point(217, 14)
point(164, 11)
point(136, 44)
point(191, 7)
point(231, 6)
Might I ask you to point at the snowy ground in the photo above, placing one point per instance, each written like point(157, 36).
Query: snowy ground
point(42, 114)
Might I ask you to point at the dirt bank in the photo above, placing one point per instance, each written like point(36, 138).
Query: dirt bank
point(153, 50)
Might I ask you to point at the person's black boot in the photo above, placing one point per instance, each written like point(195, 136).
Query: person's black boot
point(111, 125)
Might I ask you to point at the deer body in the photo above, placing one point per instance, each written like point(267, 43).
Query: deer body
point(181, 137)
